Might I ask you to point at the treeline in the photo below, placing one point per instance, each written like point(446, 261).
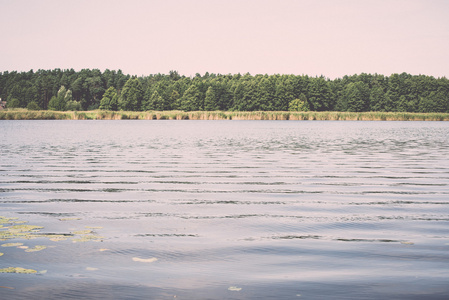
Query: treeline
point(112, 90)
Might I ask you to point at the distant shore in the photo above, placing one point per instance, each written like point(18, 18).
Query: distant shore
point(24, 114)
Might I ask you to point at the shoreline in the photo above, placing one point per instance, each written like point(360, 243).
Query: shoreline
point(24, 114)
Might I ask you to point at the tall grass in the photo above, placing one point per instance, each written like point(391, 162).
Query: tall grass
point(24, 114)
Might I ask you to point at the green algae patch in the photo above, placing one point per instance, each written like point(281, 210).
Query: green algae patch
point(82, 232)
point(15, 229)
point(18, 270)
point(87, 238)
point(36, 248)
point(12, 245)
point(58, 238)
point(69, 219)
point(24, 228)
point(5, 220)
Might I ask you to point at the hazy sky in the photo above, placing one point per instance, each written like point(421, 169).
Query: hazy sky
point(315, 37)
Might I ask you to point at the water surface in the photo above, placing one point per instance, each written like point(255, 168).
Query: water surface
point(227, 209)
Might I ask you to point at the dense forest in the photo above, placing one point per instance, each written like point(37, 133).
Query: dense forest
point(112, 90)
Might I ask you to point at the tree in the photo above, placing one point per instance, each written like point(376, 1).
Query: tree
point(58, 102)
point(356, 97)
point(73, 105)
point(155, 102)
point(435, 102)
point(320, 95)
point(299, 104)
point(53, 104)
point(175, 99)
point(132, 95)
point(267, 93)
point(33, 106)
point(379, 101)
point(210, 103)
point(192, 100)
point(13, 103)
point(283, 96)
point(109, 100)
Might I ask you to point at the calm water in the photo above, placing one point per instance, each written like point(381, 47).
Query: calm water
point(227, 209)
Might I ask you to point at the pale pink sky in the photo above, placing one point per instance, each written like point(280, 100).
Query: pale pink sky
point(314, 37)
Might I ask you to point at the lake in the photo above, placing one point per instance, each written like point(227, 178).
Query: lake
point(224, 209)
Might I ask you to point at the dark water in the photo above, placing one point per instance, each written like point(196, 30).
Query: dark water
point(227, 209)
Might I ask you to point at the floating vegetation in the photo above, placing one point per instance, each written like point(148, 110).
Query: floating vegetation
point(58, 238)
point(18, 270)
point(12, 228)
point(5, 220)
point(69, 219)
point(82, 232)
point(12, 245)
point(24, 228)
point(36, 248)
point(234, 289)
point(145, 260)
point(18, 230)
point(87, 238)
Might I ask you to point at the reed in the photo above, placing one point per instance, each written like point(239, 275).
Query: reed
point(24, 114)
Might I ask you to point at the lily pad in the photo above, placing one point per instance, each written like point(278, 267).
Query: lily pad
point(82, 232)
point(12, 244)
point(69, 219)
point(36, 248)
point(24, 228)
point(18, 270)
point(145, 260)
point(87, 238)
point(58, 238)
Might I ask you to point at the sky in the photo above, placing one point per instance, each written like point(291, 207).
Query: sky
point(332, 38)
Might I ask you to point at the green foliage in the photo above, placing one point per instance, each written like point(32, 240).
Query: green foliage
point(59, 102)
point(109, 100)
point(192, 100)
point(210, 103)
point(33, 106)
point(73, 105)
point(320, 95)
point(132, 95)
point(13, 103)
point(379, 100)
point(356, 97)
point(113, 90)
point(299, 104)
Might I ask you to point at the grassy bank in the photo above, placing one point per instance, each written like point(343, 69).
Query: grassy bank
point(24, 114)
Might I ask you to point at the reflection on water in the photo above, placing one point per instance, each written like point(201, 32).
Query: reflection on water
point(227, 209)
